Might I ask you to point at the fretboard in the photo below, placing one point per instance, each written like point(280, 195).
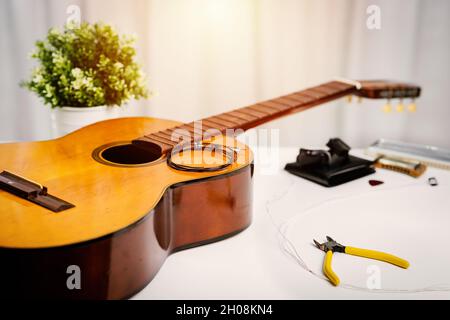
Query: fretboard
point(247, 117)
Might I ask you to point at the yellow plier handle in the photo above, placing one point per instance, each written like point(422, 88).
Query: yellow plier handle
point(371, 254)
point(332, 246)
point(328, 271)
point(377, 255)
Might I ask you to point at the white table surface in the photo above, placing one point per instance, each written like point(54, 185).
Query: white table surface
point(404, 216)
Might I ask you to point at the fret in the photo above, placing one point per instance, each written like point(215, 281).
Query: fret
point(167, 141)
point(243, 116)
point(236, 120)
point(288, 102)
point(274, 105)
point(290, 99)
point(208, 133)
point(180, 128)
point(300, 100)
point(180, 139)
point(186, 127)
point(305, 99)
point(209, 125)
point(325, 90)
point(203, 125)
point(313, 96)
point(160, 141)
point(197, 135)
point(219, 121)
point(264, 108)
point(213, 126)
point(254, 113)
point(191, 130)
point(162, 135)
point(180, 132)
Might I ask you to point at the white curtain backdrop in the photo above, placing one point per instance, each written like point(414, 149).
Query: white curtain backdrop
point(208, 56)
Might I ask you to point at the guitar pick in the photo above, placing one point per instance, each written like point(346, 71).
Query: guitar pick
point(374, 183)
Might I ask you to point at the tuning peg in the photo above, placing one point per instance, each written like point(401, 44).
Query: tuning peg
point(349, 98)
point(387, 107)
point(400, 107)
point(412, 107)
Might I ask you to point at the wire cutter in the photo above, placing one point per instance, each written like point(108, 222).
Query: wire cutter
point(332, 246)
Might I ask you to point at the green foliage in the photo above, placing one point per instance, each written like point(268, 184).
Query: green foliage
point(85, 66)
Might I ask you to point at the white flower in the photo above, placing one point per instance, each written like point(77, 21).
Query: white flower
point(118, 65)
point(77, 73)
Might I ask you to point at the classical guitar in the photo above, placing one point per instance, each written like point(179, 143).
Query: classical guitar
point(111, 201)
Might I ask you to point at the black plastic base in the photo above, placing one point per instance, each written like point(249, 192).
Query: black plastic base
point(352, 169)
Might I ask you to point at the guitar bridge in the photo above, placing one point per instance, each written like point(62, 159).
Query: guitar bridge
point(32, 191)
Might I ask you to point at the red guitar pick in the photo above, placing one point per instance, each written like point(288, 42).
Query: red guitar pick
point(374, 183)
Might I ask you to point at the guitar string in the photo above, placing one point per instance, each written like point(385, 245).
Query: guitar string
point(291, 251)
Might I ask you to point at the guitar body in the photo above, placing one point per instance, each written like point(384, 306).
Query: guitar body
point(107, 204)
point(126, 219)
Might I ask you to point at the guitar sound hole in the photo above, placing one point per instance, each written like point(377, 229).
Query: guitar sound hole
point(125, 154)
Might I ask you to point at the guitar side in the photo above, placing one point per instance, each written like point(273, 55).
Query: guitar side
point(186, 210)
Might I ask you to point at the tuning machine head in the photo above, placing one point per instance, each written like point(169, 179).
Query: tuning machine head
point(412, 106)
point(382, 89)
point(400, 106)
point(387, 108)
point(349, 98)
point(358, 99)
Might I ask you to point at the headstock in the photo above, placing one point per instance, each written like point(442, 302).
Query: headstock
point(383, 89)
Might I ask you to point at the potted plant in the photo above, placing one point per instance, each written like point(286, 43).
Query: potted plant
point(85, 74)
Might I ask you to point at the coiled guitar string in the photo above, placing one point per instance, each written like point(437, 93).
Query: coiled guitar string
point(227, 152)
point(289, 248)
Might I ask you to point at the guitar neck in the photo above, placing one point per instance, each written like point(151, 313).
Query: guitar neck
point(248, 117)
point(251, 116)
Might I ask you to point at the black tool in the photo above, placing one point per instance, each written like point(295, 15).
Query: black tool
point(330, 167)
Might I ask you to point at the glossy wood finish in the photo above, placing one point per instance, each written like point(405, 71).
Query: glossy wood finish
point(246, 117)
point(106, 198)
point(262, 112)
point(121, 264)
point(382, 89)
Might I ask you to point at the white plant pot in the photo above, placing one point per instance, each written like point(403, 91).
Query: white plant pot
point(68, 119)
